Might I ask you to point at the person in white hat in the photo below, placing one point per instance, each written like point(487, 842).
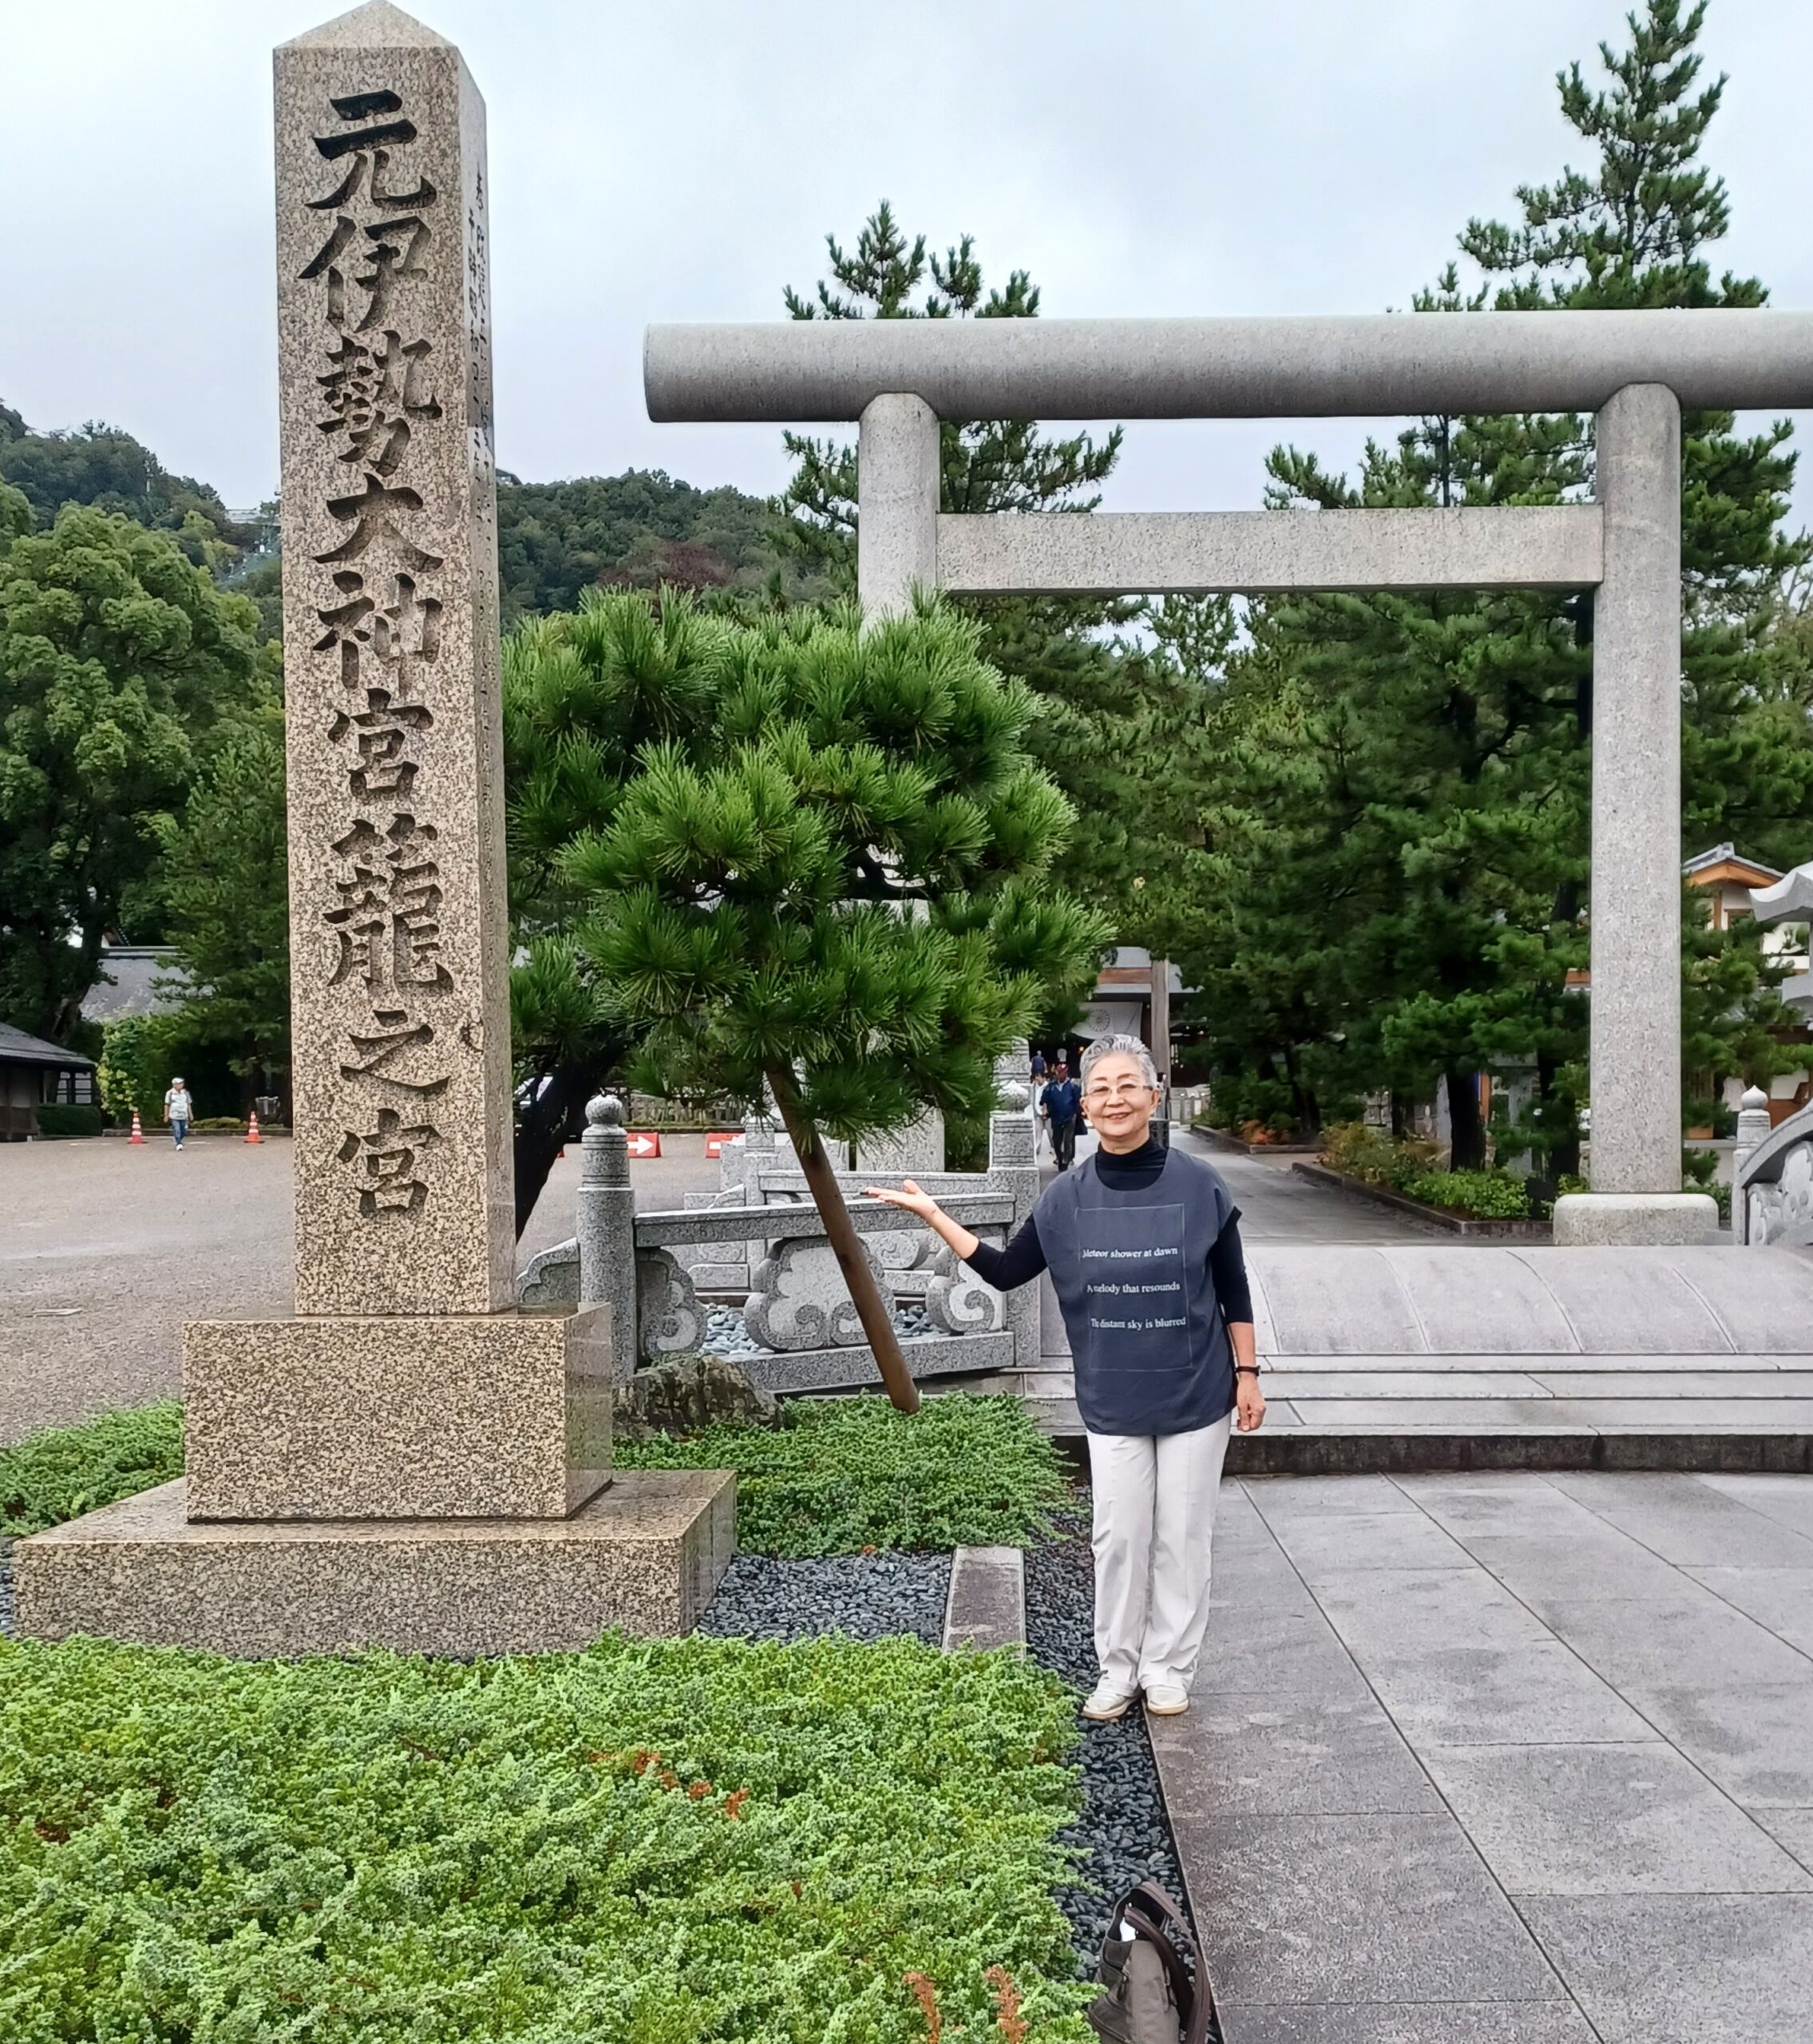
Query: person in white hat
point(178, 1108)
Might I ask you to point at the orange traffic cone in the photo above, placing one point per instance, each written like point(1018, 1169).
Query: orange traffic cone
point(137, 1134)
point(253, 1135)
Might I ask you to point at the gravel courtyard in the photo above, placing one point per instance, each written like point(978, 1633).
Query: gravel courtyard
point(105, 1249)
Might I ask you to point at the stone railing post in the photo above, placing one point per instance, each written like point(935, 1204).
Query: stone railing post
point(1753, 1125)
point(604, 1222)
point(896, 542)
point(1014, 1165)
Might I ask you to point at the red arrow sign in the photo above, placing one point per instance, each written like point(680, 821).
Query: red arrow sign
point(715, 1143)
point(644, 1145)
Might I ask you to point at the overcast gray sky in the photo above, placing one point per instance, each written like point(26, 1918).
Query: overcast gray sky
point(682, 160)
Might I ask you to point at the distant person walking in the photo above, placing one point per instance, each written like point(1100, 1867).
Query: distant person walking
point(178, 1110)
point(1061, 1103)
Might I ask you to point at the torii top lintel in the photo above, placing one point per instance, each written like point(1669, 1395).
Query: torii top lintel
point(1383, 365)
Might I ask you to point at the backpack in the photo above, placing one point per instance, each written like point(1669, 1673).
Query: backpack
point(1147, 1995)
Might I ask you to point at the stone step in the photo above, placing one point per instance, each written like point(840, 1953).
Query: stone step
point(986, 1604)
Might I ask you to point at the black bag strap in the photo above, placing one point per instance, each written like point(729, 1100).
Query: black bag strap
point(1153, 1915)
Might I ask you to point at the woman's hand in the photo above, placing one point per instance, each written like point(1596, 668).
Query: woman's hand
point(909, 1196)
point(922, 1206)
point(1249, 1404)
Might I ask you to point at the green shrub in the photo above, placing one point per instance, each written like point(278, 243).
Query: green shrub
point(661, 1842)
point(1489, 1195)
point(62, 1118)
point(850, 1473)
point(62, 1474)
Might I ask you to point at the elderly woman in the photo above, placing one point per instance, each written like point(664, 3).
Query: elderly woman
point(1144, 1253)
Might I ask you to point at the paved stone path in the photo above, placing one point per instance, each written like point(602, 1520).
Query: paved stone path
point(1505, 1760)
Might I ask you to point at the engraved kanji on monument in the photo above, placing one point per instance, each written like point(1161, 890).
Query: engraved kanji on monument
point(399, 937)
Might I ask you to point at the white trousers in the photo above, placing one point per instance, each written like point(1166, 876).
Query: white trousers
point(1155, 1520)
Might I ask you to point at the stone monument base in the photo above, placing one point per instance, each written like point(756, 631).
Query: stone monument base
point(1643, 1220)
point(406, 1415)
point(646, 1555)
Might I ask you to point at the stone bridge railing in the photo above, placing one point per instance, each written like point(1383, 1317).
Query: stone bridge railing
point(1773, 1176)
point(746, 1272)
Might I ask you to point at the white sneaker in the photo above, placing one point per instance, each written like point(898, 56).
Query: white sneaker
point(1166, 1700)
point(1104, 1705)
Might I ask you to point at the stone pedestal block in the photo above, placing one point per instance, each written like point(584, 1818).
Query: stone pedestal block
point(1665, 1220)
point(645, 1555)
point(497, 1416)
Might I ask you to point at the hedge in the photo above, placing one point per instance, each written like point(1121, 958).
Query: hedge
point(70, 1470)
point(660, 1843)
point(60, 1118)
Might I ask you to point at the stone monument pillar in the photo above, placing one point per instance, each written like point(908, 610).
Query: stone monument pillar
point(408, 1393)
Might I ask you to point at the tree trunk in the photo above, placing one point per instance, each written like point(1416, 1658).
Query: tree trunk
point(1467, 1131)
point(555, 1117)
point(846, 1246)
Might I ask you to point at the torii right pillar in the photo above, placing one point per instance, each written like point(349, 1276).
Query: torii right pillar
point(1635, 1052)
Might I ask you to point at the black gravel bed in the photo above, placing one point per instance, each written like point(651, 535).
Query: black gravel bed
point(866, 1596)
point(1123, 1835)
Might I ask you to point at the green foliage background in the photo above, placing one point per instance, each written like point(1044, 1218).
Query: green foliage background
point(67, 1471)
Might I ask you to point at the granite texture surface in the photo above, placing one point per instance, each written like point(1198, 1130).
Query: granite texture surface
point(1635, 1048)
point(1258, 554)
point(897, 470)
point(473, 1416)
point(399, 934)
point(645, 1555)
point(1652, 1220)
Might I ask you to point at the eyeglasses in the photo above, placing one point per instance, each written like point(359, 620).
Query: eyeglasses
point(1130, 1090)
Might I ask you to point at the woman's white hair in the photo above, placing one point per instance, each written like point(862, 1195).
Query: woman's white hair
point(1120, 1047)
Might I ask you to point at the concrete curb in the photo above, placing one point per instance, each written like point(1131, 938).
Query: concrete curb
point(1334, 1452)
point(986, 1604)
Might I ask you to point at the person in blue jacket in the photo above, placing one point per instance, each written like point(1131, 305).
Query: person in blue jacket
point(1061, 1103)
point(1143, 1247)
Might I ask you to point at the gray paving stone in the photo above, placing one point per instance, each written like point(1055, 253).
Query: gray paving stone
point(1255, 1576)
point(1780, 1598)
point(1656, 1968)
point(1606, 1820)
point(1276, 1649)
point(1279, 1497)
point(1687, 1521)
point(1273, 1754)
point(1697, 1384)
point(1765, 1307)
point(1320, 1385)
point(1504, 1306)
point(1596, 1563)
point(1755, 1739)
point(1788, 1499)
point(1341, 1909)
point(1500, 1696)
point(1751, 1415)
point(1511, 1501)
point(1376, 1316)
point(1792, 1830)
point(1399, 1610)
point(1687, 1640)
point(1407, 2022)
point(1629, 1303)
point(1327, 1544)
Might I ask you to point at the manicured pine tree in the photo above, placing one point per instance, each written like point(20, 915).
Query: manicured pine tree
point(826, 880)
point(1090, 690)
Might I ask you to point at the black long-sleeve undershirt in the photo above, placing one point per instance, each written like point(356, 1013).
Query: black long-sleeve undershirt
point(1024, 1257)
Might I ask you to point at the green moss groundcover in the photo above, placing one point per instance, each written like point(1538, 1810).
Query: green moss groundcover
point(642, 1843)
point(60, 1475)
point(841, 1474)
point(849, 1473)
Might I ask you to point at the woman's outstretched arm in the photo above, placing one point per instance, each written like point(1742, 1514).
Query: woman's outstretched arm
point(1021, 1261)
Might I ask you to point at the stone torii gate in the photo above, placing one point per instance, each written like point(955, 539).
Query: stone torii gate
point(1634, 370)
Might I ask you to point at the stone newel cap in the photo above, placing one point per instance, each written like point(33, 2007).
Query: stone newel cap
point(376, 25)
point(604, 1110)
point(1753, 1098)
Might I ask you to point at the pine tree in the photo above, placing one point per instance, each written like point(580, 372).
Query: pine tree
point(826, 881)
point(1444, 861)
point(1088, 687)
